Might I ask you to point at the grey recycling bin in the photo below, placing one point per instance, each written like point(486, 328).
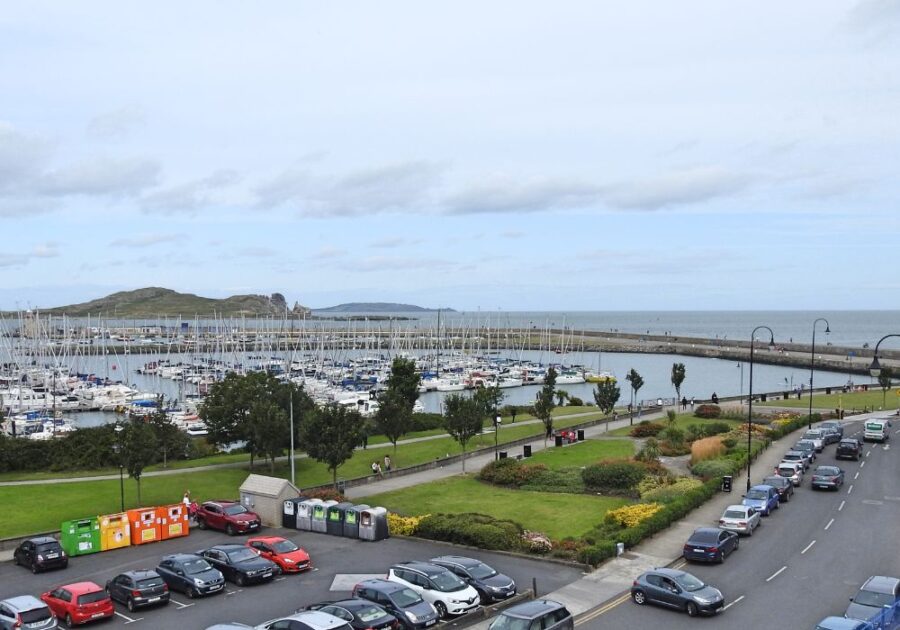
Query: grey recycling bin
point(319, 519)
point(526, 450)
point(289, 512)
point(373, 524)
point(335, 524)
point(726, 483)
point(351, 520)
point(305, 512)
point(581, 435)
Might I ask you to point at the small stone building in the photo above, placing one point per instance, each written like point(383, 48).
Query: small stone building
point(266, 496)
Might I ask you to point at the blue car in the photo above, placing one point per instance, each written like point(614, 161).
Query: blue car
point(841, 623)
point(763, 499)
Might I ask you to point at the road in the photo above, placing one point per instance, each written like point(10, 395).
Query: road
point(806, 560)
point(254, 604)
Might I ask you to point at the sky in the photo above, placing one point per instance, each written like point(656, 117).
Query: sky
point(698, 155)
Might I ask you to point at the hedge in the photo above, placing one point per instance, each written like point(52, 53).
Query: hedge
point(708, 411)
point(613, 475)
point(645, 429)
point(477, 530)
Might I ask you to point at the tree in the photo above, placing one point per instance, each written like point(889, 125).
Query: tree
point(330, 434)
point(544, 404)
point(637, 381)
point(138, 450)
point(271, 430)
point(607, 395)
point(395, 403)
point(561, 397)
point(489, 399)
point(462, 420)
point(169, 438)
point(404, 379)
point(678, 374)
point(885, 379)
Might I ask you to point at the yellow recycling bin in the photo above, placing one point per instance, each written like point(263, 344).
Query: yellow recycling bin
point(115, 531)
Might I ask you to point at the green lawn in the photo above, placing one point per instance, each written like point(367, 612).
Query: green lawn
point(557, 515)
point(872, 399)
point(681, 421)
point(584, 453)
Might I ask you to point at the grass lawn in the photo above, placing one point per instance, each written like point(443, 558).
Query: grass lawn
point(681, 421)
point(872, 399)
point(557, 515)
point(584, 453)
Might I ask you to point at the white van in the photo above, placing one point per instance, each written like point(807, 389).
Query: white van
point(876, 431)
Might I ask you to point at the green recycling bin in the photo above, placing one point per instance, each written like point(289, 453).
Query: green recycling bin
point(80, 537)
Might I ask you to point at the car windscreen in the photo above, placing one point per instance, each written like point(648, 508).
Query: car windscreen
point(735, 514)
point(233, 510)
point(48, 548)
point(405, 597)
point(193, 567)
point(827, 470)
point(241, 555)
point(91, 598)
point(878, 600)
point(447, 582)
point(804, 445)
point(35, 614)
point(481, 571)
point(689, 583)
point(775, 481)
point(150, 582)
point(285, 546)
point(757, 494)
point(368, 614)
point(505, 622)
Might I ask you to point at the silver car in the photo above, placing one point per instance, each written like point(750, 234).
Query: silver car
point(26, 611)
point(740, 518)
point(791, 470)
point(817, 437)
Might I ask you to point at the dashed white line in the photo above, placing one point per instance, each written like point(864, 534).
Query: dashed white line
point(808, 547)
point(727, 606)
point(776, 574)
point(862, 465)
point(850, 489)
point(856, 476)
point(869, 453)
point(829, 523)
point(841, 506)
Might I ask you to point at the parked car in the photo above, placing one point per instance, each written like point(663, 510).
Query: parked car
point(78, 603)
point(740, 519)
point(240, 564)
point(807, 446)
point(875, 593)
point(876, 431)
point(438, 585)
point(827, 477)
point(360, 613)
point(491, 585)
point(288, 556)
point(842, 623)
point(790, 470)
point(849, 448)
point(537, 613)
point(830, 434)
point(817, 438)
point(797, 456)
point(708, 544)
point(676, 589)
point(784, 486)
point(26, 611)
point(399, 600)
point(228, 516)
point(135, 589)
point(190, 574)
point(762, 498)
point(305, 620)
point(40, 553)
point(835, 425)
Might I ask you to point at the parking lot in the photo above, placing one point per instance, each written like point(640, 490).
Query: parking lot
point(347, 560)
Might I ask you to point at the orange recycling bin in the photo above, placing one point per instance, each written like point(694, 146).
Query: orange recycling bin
point(114, 531)
point(173, 521)
point(145, 526)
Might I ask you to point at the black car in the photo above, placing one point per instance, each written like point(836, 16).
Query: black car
point(399, 600)
point(678, 590)
point(537, 613)
point(709, 544)
point(784, 486)
point(138, 588)
point(190, 574)
point(360, 613)
point(830, 434)
point(491, 585)
point(834, 425)
point(849, 448)
point(41, 553)
point(240, 564)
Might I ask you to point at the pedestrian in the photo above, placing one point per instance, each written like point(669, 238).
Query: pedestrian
point(640, 409)
point(715, 399)
point(387, 463)
point(186, 499)
point(378, 469)
point(683, 403)
point(659, 402)
point(692, 403)
point(374, 468)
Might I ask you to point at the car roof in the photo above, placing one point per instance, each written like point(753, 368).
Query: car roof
point(43, 540)
point(80, 588)
point(841, 623)
point(793, 465)
point(423, 567)
point(881, 584)
point(24, 602)
point(533, 608)
point(775, 480)
point(737, 507)
point(268, 539)
point(226, 547)
point(674, 573)
point(220, 502)
point(182, 557)
point(316, 619)
point(705, 533)
point(380, 584)
point(762, 486)
point(462, 561)
point(830, 466)
point(350, 602)
point(139, 574)
point(849, 439)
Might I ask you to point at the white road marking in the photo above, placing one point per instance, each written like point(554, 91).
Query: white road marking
point(862, 465)
point(127, 619)
point(872, 502)
point(869, 453)
point(179, 604)
point(776, 574)
point(856, 476)
point(808, 547)
point(727, 606)
point(279, 579)
point(829, 523)
point(850, 489)
point(887, 447)
point(234, 592)
point(841, 506)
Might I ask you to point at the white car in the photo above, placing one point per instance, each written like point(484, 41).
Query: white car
point(740, 518)
point(817, 437)
point(437, 585)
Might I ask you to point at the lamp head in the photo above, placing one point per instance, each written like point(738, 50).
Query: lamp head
point(827, 329)
point(875, 368)
point(771, 344)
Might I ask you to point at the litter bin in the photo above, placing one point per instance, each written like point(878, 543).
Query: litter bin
point(305, 512)
point(335, 523)
point(115, 532)
point(373, 524)
point(174, 521)
point(319, 519)
point(726, 483)
point(865, 387)
point(827, 391)
point(80, 537)
point(581, 435)
point(144, 525)
point(289, 512)
point(351, 520)
point(786, 395)
point(526, 450)
point(762, 397)
point(503, 454)
point(558, 440)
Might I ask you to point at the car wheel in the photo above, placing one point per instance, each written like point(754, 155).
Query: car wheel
point(16, 560)
point(34, 568)
point(69, 622)
point(201, 524)
point(229, 529)
point(192, 593)
point(692, 609)
point(441, 609)
point(130, 603)
point(240, 580)
point(750, 530)
point(737, 543)
point(639, 598)
point(787, 497)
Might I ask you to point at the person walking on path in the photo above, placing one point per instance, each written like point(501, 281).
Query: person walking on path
point(715, 399)
point(683, 403)
point(692, 403)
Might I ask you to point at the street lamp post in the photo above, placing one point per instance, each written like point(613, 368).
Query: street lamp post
point(117, 447)
point(750, 394)
point(875, 366)
point(497, 421)
point(812, 360)
point(741, 365)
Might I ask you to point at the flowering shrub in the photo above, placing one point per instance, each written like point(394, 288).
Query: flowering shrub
point(403, 525)
point(672, 491)
point(536, 542)
point(708, 411)
point(633, 515)
point(645, 429)
point(652, 482)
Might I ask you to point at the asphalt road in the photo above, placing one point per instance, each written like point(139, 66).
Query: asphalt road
point(806, 560)
point(255, 604)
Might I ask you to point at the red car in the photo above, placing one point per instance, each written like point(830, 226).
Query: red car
point(281, 551)
point(79, 603)
point(229, 516)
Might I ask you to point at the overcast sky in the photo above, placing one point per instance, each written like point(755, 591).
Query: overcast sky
point(495, 155)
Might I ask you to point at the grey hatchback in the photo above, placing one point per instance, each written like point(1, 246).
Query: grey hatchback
point(677, 589)
point(26, 611)
point(538, 614)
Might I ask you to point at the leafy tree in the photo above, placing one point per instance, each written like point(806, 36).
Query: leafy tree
point(395, 403)
point(544, 404)
point(637, 381)
point(885, 380)
point(270, 426)
point(678, 374)
point(489, 400)
point(138, 450)
point(169, 438)
point(561, 397)
point(330, 434)
point(607, 395)
point(462, 420)
point(404, 379)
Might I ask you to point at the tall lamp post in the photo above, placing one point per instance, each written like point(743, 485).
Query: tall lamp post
point(117, 447)
point(741, 365)
point(750, 394)
point(812, 360)
point(497, 421)
point(875, 366)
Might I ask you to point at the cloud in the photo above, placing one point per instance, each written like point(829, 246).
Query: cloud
point(393, 242)
point(329, 251)
point(682, 187)
point(504, 196)
point(390, 263)
point(45, 250)
point(13, 260)
point(115, 124)
point(41, 250)
point(21, 155)
point(18, 207)
point(146, 240)
point(102, 176)
point(255, 252)
point(512, 234)
point(189, 197)
point(877, 21)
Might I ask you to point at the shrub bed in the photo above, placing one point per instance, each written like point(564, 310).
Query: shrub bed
point(614, 475)
point(707, 448)
point(708, 411)
point(477, 530)
point(646, 429)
